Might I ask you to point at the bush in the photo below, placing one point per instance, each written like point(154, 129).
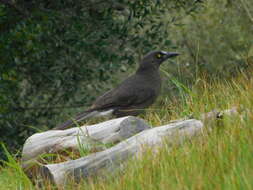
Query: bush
point(217, 40)
point(56, 55)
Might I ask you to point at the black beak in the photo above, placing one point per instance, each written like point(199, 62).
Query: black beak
point(170, 54)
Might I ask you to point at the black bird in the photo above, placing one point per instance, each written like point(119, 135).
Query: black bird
point(133, 95)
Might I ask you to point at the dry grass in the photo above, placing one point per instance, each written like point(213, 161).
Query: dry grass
point(218, 160)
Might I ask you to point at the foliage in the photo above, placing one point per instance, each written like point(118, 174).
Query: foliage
point(216, 40)
point(15, 170)
point(220, 159)
point(56, 55)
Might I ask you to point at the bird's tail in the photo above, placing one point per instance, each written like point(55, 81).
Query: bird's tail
point(84, 115)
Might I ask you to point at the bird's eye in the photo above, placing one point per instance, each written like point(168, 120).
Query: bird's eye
point(159, 56)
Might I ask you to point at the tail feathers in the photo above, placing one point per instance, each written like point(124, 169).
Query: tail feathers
point(78, 118)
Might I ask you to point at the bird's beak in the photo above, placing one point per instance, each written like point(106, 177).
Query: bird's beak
point(170, 54)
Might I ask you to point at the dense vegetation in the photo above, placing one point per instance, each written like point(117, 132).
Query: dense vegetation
point(59, 55)
point(220, 159)
point(56, 57)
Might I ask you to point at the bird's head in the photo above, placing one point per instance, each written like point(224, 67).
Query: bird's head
point(154, 59)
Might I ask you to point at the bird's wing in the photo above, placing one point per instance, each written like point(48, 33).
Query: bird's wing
point(123, 98)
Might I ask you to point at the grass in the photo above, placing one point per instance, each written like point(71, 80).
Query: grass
point(221, 159)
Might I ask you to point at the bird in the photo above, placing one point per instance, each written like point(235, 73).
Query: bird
point(130, 97)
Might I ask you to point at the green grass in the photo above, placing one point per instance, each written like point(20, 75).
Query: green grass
point(221, 159)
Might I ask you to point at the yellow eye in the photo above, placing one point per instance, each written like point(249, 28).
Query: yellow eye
point(159, 56)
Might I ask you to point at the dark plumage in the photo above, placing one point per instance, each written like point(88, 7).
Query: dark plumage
point(133, 95)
